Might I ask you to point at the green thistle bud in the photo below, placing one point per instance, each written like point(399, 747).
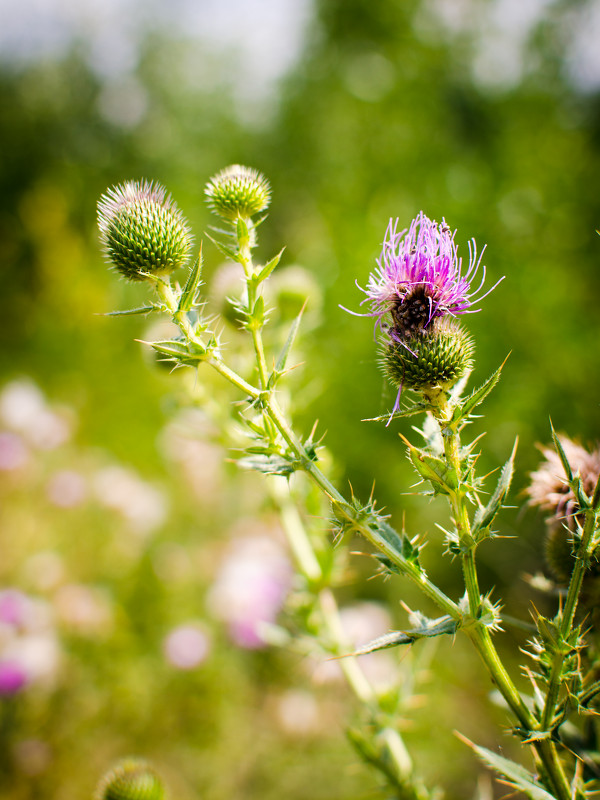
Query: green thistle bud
point(142, 230)
point(131, 779)
point(238, 191)
point(440, 356)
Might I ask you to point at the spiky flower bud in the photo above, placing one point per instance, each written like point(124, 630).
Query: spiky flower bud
point(437, 358)
point(238, 191)
point(142, 230)
point(131, 779)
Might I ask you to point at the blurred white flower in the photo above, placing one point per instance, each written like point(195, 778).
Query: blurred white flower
point(66, 488)
point(24, 410)
point(297, 712)
point(84, 609)
point(29, 648)
point(122, 490)
point(13, 452)
point(362, 623)
point(45, 569)
point(38, 654)
point(184, 441)
point(186, 646)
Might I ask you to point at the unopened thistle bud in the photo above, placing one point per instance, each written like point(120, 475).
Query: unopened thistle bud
point(131, 779)
point(437, 358)
point(142, 230)
point(238, 191)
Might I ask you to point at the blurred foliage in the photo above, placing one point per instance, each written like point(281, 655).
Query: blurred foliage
point(382, 116)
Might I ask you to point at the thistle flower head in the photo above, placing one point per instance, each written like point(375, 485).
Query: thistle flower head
point(142, 230)
point(549, 489)
point(131, 779)
point(419, 278)
point(238, 191)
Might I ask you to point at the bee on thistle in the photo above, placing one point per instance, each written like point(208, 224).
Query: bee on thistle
point(415, 295)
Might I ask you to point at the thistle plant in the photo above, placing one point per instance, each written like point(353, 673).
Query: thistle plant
point(416, 295)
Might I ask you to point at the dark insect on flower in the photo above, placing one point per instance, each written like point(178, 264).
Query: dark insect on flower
point(419, 279)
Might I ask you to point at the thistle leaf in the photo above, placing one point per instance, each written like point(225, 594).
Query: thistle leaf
point(427, 628)
point(190, 290)
point(484, 516)
point(464, 409)
point(409, 411)
point(399, 542)
point(436, 470)
point(179, 351)
point(256, 318)
point(129, 312)
point(515, 774)
point(269, 267)
point(561, 454)
point(242, 230)
point(283, 356)
point(229, 252)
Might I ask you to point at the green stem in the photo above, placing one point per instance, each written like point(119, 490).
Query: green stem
point(369, 531)
point(476, 630)
point(567, 618)
point(309, 566)
point(245, 259)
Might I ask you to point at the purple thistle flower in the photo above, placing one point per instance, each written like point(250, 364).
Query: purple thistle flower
point(419, 278)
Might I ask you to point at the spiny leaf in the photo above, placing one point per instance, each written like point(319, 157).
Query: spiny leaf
point(561, 454)
point(596, 496)
point(283, 356)
point(484, 516)
point(128, 312)
point(409, 411)
point(186, 354)
point(190, 290)
point(427, 628)
point(242, 230)
point(229, 252)
point(269, 267)
point(436, 470)
point(400, 542)
point(515, 774)
point(256, 317)
point(464, 409)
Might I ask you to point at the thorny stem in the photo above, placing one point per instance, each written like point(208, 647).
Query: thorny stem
point(339, 503)
point(300, 544)
point(567, 615)
point(369, 531)
point(245, 259)
point(477, 630)
point(309, 566)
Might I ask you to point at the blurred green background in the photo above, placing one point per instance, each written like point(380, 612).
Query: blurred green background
point(484, 113)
